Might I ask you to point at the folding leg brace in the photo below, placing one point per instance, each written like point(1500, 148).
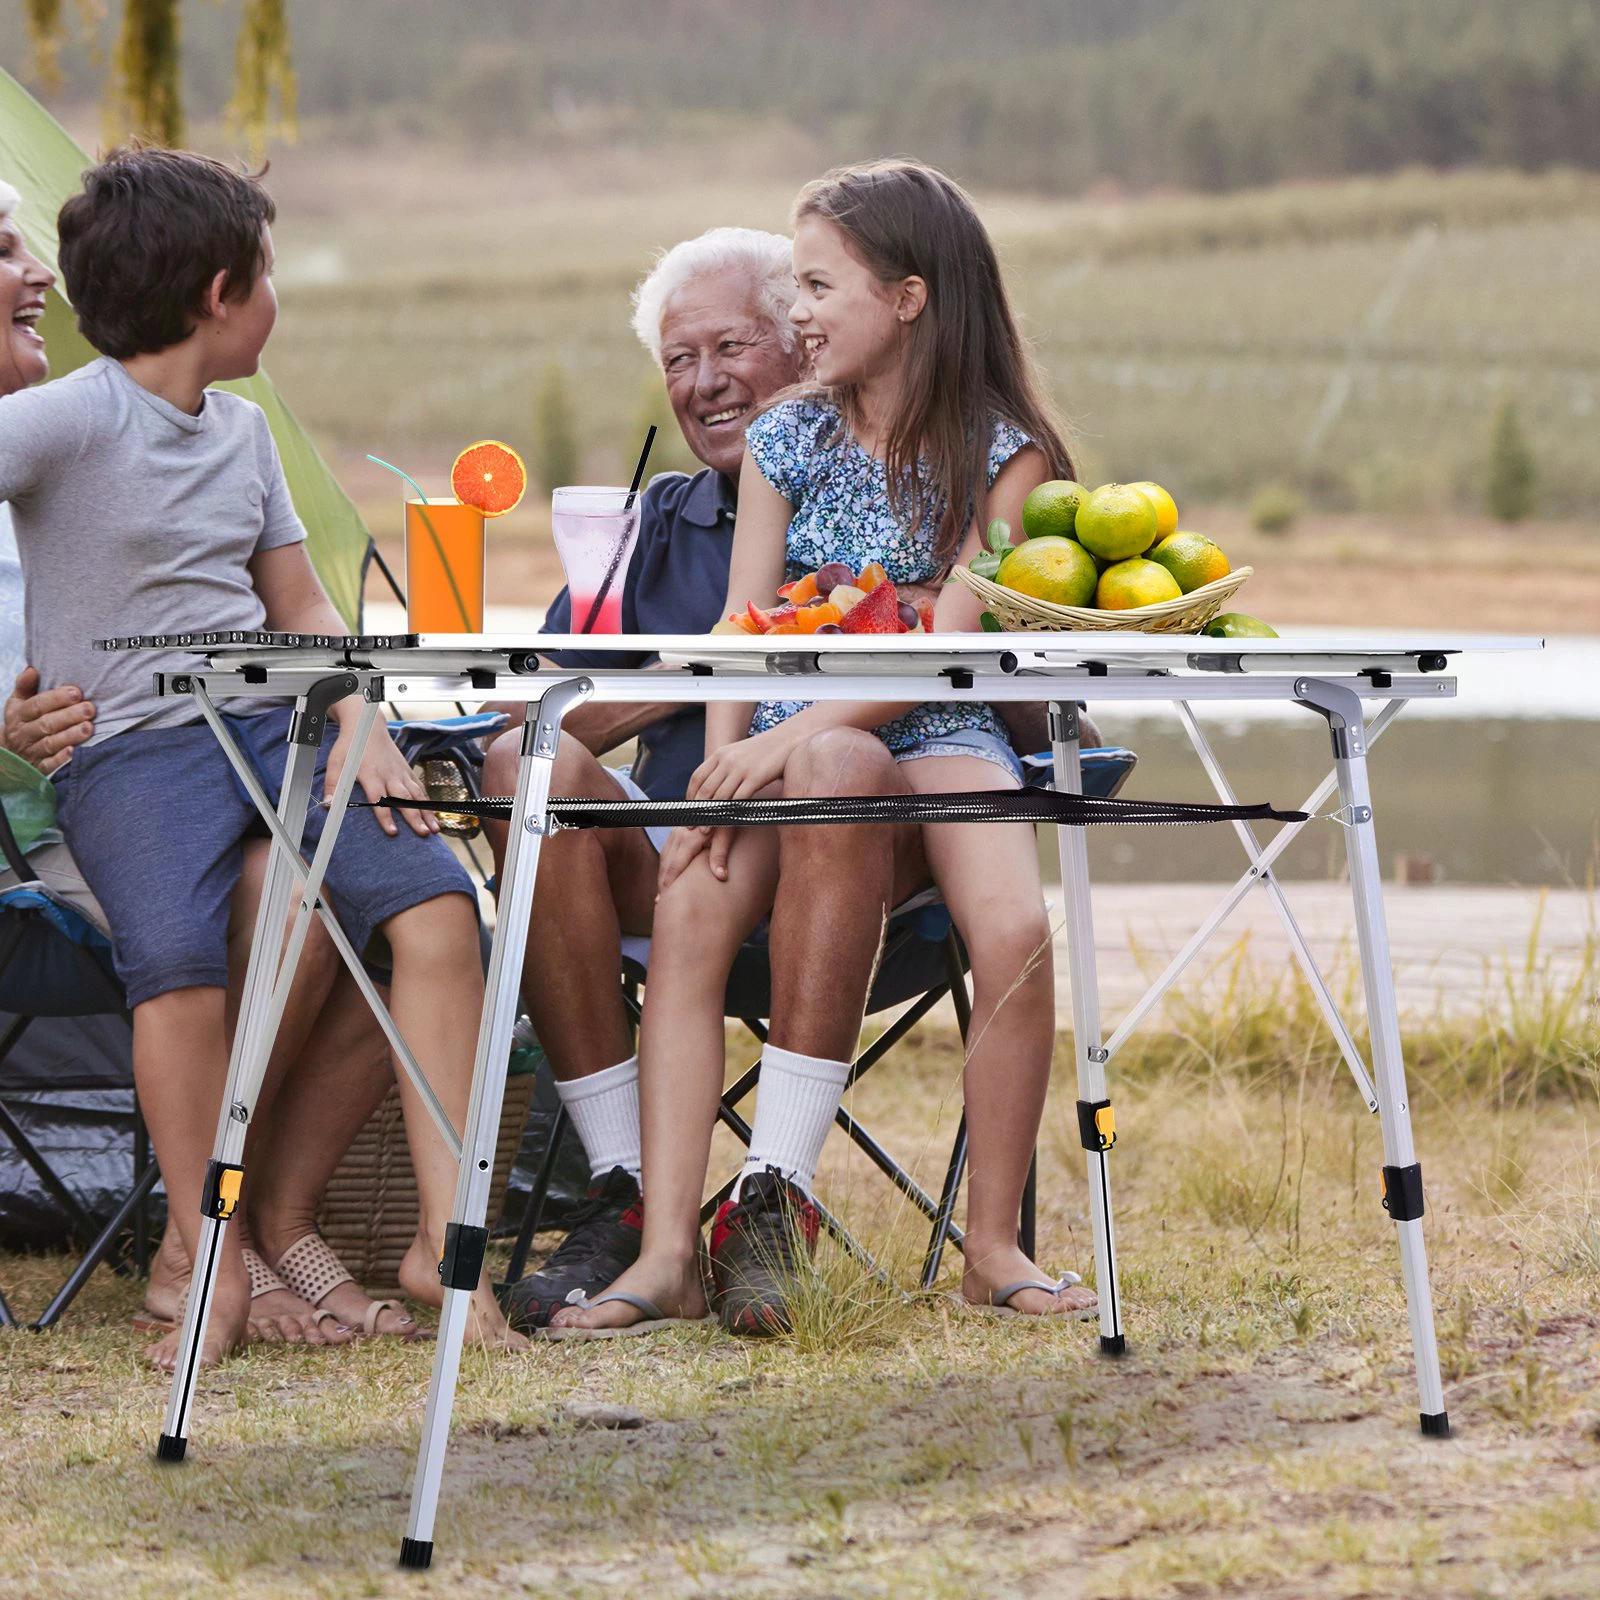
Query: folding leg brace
point(261, 1006)
point(1402, 1177)
point(466, 1237)
point(1096, 1122)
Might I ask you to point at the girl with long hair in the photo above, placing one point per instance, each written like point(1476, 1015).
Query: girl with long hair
point(923, 421)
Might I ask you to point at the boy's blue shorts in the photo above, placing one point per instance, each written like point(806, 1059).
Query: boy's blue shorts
point(156, 821)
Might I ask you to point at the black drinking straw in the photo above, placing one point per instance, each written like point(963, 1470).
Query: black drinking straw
point(622, 545)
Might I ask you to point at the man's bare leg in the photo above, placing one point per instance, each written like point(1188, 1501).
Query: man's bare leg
point(593, 885)
point(837, 885)
point(700, 923)
point(438, 1007)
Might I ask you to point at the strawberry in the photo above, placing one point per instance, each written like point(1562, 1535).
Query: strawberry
point(878, 613)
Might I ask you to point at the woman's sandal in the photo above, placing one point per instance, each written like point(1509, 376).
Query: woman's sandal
point(653, 1321)
point(999, 1304)
point(263, 1280)
point(310, 1269)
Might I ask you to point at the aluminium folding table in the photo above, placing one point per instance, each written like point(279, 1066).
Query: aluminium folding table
point(1333, 676)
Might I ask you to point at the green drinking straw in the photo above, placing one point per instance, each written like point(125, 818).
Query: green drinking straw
point(427, 522)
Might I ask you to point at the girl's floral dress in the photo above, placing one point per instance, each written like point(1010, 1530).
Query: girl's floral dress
point(840, 496)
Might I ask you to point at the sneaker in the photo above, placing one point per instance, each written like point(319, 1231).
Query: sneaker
point(601, 1244)
point(756, 1245)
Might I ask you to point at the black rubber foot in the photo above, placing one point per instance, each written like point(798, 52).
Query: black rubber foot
point(1114, 1344)
point(1436, 1425)
point(169, 1448)
point(416, 1553)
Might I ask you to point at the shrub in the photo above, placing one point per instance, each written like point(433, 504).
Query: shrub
point(1276, 508)
point(1511, 473)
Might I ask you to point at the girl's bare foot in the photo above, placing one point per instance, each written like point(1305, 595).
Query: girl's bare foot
point(669, 1282)
point(990, 1270)
point(486, 1322)
point(317, 1278)
point(227, 1328)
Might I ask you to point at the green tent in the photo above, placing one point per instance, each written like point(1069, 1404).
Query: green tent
point(40, 161)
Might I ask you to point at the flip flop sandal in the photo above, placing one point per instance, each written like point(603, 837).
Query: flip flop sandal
point(653, 1321)
point(1000, 1301)
point(310, 1269)
point(263, 1280)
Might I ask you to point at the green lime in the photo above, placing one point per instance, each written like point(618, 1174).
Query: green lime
point(1051, 568)
point(1052, 509)
point(1236, 625)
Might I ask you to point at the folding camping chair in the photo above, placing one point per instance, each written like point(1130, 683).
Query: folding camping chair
point(54, 962)
point(923, 960)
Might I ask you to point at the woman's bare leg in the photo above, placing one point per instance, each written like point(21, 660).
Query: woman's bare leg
point(438, 1007)
point(988, 874)
point(700, 923)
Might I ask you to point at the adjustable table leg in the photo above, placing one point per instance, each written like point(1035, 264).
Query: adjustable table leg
point(466, 1236)
point(1402, 1177)
point(1096, 1126)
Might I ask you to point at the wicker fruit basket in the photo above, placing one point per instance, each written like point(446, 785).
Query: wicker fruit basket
point(1189, 613)
point(369, 1213)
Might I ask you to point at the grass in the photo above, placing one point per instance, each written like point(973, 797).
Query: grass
point(1258, 1439)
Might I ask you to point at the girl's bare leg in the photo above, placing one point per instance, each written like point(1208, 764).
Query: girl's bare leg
point(700, 923)
point(988, 874)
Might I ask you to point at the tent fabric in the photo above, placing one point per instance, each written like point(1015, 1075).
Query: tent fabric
point(40, 160)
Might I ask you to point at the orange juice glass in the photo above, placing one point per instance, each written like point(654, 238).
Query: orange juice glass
point(444, 567)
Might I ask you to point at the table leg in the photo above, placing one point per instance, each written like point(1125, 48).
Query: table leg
point(1402, 1176)
point(466, 1237)
point(266, 986)
point(1096, 1124)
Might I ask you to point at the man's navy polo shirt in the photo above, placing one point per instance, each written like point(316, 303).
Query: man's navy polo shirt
point(677, 583)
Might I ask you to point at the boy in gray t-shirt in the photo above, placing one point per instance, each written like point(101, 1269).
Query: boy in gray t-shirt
point(143, 500)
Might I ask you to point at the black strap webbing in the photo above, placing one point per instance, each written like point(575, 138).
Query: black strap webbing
point(1024, 805)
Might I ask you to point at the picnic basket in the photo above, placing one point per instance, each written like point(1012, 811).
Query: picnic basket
point(369, 1212)
point(1189, 613)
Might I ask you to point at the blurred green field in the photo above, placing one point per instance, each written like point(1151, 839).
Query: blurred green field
point(1189, 339)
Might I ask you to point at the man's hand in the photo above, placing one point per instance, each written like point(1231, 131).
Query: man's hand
point(383, 771)
point(43, 728)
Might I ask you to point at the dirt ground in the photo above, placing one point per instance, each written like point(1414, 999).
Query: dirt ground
point(1259, 1438)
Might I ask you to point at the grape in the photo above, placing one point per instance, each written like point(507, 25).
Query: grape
point(830, 576)
point(908, 614)
point(830, 627)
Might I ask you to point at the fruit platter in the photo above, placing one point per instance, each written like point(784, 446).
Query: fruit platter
point(1107, 558)
point(835, 599)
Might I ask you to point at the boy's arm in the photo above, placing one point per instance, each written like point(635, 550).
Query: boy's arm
point(296, 602)
point(40, 432)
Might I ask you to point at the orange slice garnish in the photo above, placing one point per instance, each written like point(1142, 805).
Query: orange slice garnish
point(489, 476)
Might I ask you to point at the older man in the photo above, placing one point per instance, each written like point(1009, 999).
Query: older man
point(713, 313)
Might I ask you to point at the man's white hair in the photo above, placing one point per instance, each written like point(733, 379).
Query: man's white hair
point(9, 200)
point(766, 257)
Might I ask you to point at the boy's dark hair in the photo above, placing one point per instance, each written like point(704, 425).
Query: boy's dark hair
point(140, 246)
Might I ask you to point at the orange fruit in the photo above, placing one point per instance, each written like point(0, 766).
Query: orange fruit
point(1192, 559)
point(1166, 507)
point(1050, 568)
point(489, 477)
point(1134, 583)
point(871, 576)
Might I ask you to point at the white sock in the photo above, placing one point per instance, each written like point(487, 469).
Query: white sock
point(604, 1108)
point(795, 1103)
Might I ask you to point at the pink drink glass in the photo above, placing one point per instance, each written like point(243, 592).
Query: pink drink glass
point(595, 533)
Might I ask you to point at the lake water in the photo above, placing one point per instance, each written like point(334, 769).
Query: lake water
point(1499, 785)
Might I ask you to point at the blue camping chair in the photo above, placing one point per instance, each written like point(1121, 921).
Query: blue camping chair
point(923, 961)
